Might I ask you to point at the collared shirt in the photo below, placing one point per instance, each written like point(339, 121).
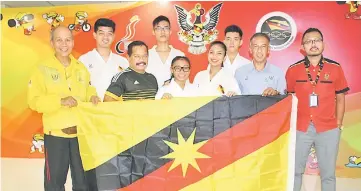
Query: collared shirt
point(254, 82)
point(220, 84)
point(238, 62)
point(131, 85)
point(101, 72)
point(189, 90)
point(161, 70)
point(50, 82)
point(332, 81)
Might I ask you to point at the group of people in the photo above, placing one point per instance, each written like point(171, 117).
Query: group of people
point(163, 71)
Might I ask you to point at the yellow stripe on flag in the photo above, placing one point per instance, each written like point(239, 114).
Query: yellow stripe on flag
point(264, 169)
point(110, 128)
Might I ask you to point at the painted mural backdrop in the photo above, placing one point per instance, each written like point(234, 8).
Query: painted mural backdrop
point(25, 41)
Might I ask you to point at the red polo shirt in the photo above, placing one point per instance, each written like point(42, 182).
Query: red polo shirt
point(331, 82)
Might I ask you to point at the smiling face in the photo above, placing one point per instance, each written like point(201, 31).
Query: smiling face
point(138, 61)
point(313, 44)
point(104, 37)
point(180, 70)
point(62, 41)
point(259, 48)
point(216, 55)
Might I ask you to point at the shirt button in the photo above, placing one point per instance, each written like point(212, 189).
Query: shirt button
point(311, 115)
point(314, 70)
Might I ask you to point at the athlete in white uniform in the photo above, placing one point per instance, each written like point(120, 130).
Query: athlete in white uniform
point(179, 85)
point(233, 41)
point(216, 80)
point(162, 54)
point(101, 63)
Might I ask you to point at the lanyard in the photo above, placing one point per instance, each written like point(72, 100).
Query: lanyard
point(307, 66)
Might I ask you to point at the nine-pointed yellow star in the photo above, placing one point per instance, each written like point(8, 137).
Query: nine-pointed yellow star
point(185, 152)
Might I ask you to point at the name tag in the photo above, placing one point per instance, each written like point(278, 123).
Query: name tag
point(313, 100)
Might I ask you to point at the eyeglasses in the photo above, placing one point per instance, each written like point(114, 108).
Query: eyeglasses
point(313, 41)
point(158, 28)
point(178, 69)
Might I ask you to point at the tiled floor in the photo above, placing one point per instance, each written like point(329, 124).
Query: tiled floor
point(27, 174)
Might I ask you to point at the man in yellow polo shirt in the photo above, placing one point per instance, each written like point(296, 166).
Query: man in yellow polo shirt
point(55, 88)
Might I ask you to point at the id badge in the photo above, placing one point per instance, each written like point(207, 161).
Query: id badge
point(313, 100)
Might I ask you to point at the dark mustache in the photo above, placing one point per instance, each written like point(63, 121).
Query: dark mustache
point(141, 63)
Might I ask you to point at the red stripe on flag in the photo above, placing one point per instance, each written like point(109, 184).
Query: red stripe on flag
point(224, 149)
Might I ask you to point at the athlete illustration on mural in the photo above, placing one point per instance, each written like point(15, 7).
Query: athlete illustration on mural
point(25, 20)
point(38, 143)
point(354, 162)
point(53, 18)
point(353, 8)
point(129, 34)
point(1, 16)
point(80, 22)
point(197, 33)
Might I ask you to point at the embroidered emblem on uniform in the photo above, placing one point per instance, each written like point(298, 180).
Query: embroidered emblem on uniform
point(327, 76)
point(266, 79)
point(136, 82)
point(271, 77)
point(55, 77)
point(90, 66)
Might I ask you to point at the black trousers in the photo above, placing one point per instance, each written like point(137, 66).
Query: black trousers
point(60, 153)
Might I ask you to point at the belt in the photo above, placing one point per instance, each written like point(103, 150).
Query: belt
point(70, 130)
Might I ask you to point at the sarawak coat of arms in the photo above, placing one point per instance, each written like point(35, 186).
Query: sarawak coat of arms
point(197, 33)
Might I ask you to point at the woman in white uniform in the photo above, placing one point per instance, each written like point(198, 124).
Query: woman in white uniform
point(216, 80)
point(179, 85)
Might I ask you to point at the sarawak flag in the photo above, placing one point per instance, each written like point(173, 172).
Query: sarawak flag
point(192, 144)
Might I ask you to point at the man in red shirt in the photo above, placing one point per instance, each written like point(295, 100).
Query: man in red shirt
point(320, 86)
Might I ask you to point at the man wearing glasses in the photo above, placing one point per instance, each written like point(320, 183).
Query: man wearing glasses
point(162, 54)
point(133, 83)
point(320, 86)
point(260, 77)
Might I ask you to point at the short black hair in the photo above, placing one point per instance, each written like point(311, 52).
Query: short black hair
point(175, 59)
point(104, 22)
point(133, 44)
point(309, 30)
point(160, 19)
point(219, 43)
point(233, 28)
point(258, 35)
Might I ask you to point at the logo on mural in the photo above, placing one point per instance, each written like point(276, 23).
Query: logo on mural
point(353, 7)
point(129, 34)
point(53, 19)
point(280, 27)
point(354, 162)
point(24, 20)
point(80, 22)
point(197, 33)
point(38, 143)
